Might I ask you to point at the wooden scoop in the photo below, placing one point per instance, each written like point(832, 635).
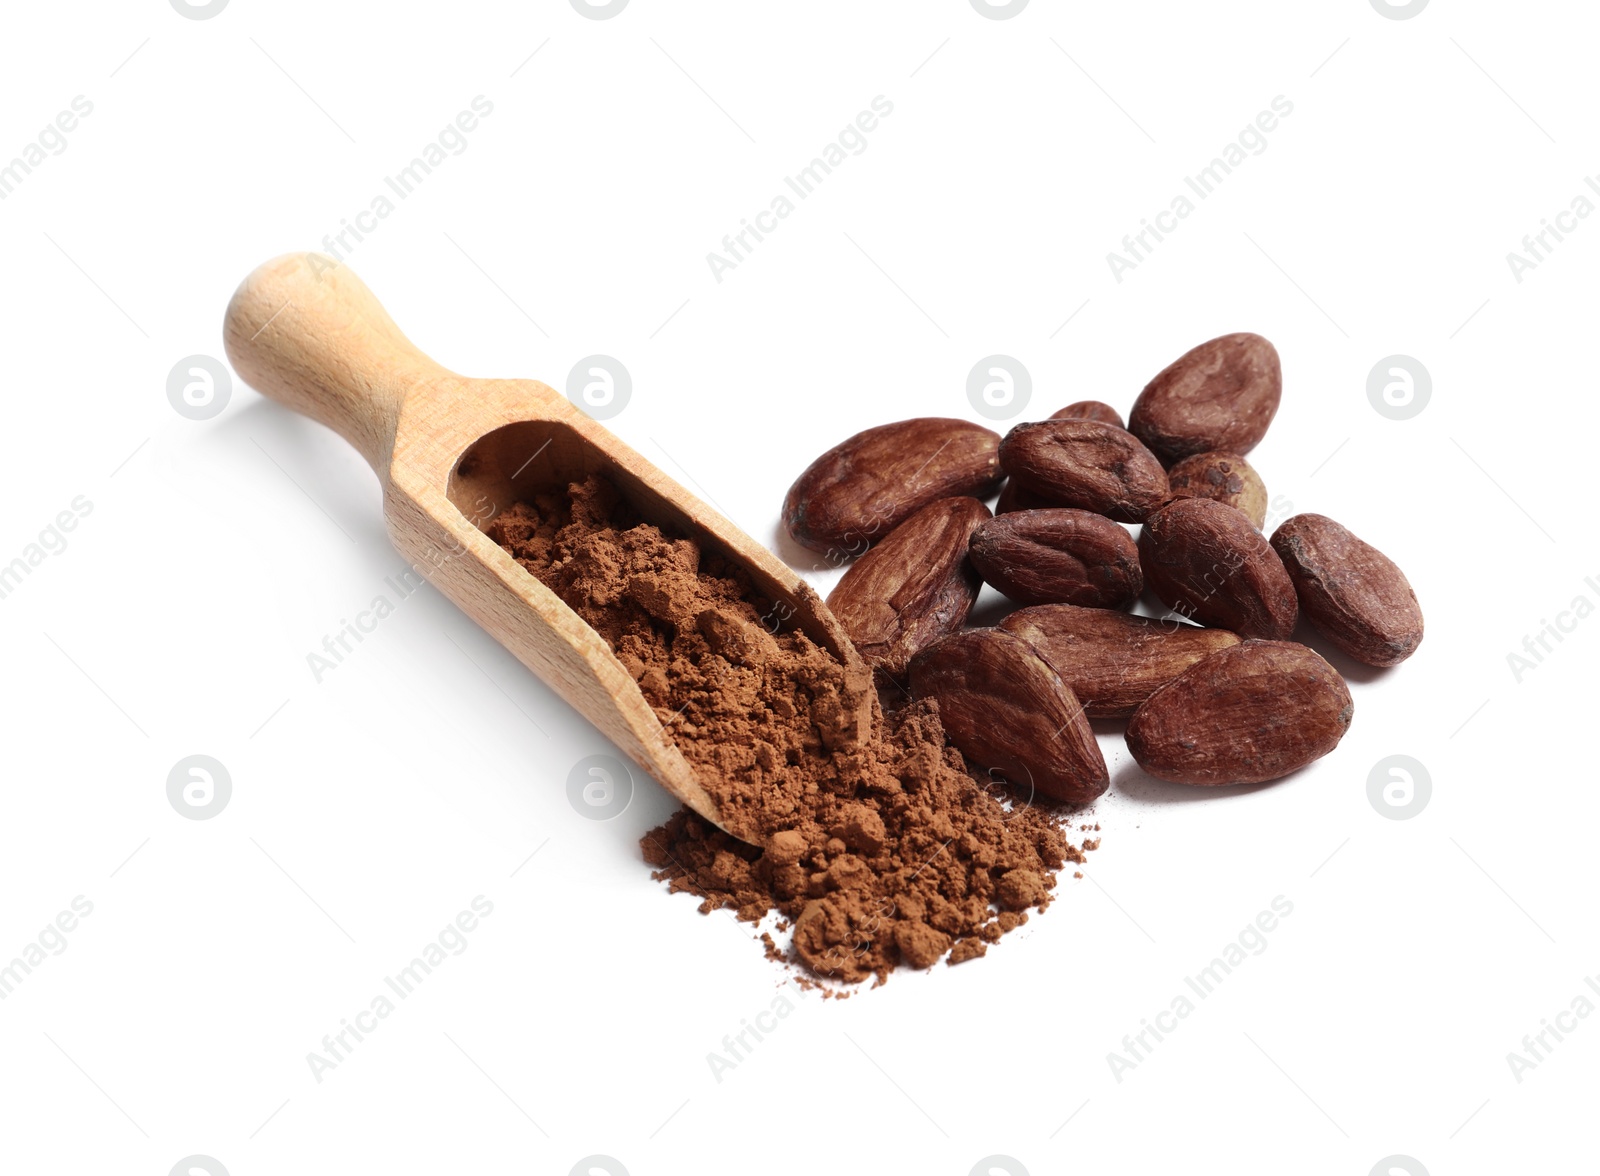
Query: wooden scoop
point(452, 453)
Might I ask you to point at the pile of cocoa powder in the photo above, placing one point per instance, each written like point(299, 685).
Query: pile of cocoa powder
point(862, 829)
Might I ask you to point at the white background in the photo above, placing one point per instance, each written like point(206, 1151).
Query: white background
point(369, 808)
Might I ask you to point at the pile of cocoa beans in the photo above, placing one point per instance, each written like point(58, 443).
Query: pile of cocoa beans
point(1215, 692)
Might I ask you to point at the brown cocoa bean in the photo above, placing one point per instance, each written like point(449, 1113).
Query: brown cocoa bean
point(1058, 556)
point(856, 493)
point(1113, 660)
point(1090, 410)
point(1086, 464)
point(1244, 715)
point(1005, 708)
point(1014, 498)
point(1221, 395)
point(1351, 592)
point(1225, 477)
point(1205, 561)
point(913, 587)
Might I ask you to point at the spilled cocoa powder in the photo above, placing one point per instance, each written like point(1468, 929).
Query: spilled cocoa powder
point(868, 836)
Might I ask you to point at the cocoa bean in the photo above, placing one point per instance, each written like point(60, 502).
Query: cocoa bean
point(913, 587)
point(1224, 477)
point(1014, 498)
point(1205, 561)
point(1351, 592)
point(1090, 410)
point(1244, 715)
point(1086, 464)
point(1058, 556)
point(1113, 660)
point(1221, 395)
point(1005, 708)
point(856, 493)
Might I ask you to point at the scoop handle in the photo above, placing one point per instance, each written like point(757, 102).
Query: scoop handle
point(305, 331)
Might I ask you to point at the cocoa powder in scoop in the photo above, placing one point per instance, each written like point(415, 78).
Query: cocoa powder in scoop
point(871, 839)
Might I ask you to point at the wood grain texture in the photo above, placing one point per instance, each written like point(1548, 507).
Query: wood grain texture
point(451, 452)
